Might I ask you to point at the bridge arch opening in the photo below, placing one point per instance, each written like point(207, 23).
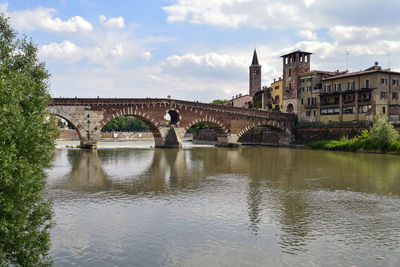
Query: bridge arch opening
point(265, 134)
point(129, 127)
point(68, 129)
point(290, 108)
point(206, 132)
point(172, 116)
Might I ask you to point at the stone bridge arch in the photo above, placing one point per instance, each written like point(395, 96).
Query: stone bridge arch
point(220, 128)
point(153, 125)
point(64, 114)
point(286, 136)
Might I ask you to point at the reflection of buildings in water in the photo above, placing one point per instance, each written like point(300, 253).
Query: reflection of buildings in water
point(254, 201)
point(295, 221)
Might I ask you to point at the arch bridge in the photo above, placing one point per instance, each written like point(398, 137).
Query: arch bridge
point(90, 115)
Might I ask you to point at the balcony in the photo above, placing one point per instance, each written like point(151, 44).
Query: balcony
point(311, 106)
point(367, 89)
point(330, 104)
point(330, 93)
point(364, 101)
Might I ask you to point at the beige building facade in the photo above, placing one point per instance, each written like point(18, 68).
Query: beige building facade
point(276, 97)
point(353, 96)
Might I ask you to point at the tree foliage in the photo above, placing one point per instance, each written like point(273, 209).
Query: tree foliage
point(382, 137)
point(382, 133)
point(125, 124)
point(198, 127)
point(27, 136)
point(220, 102)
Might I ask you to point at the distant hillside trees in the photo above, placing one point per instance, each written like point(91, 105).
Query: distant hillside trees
point(125, 124)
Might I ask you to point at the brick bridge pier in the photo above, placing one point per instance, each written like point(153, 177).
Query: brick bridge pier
point(90, 115)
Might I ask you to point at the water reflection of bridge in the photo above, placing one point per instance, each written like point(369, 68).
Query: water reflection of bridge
point(280, 194)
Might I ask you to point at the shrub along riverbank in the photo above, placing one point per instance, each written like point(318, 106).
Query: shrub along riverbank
point(381, 138)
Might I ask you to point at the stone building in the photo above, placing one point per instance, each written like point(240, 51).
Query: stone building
point(255, 91)
point(254, 75)
point(294, 64)
point(276, 91)
point(309, 94)
point(360, 95)
point(241, 101)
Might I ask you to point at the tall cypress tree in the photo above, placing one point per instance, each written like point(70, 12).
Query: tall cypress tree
point(27, 137)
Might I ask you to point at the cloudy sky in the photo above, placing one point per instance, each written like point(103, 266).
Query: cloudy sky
point(198, 49)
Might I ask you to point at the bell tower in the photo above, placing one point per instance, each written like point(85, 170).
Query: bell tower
point(294, 64)
point(254, 75)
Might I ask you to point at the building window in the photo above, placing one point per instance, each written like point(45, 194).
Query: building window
point(348, 110)
point(301, 80)
point(289, 72)
point(337, 100)
point(383, 81)
point(383, 95)
point(337, 87)
point(308, 101)
point(277, 99)
point(364, 109)
point(309, 88)
point(329, 111)
point(367, 83)
point(383, 110)
point(308, 113)
point(395, 95)
point(327, 88)
point(302, 101)
point(351, 85)
point(315, 113)
point(290, 86)
point(395, 82)
point(277, 87)
point(309, 79)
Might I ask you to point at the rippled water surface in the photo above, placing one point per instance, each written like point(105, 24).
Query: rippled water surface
point(205, 206)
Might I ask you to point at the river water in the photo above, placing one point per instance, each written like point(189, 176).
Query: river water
point(206, 206)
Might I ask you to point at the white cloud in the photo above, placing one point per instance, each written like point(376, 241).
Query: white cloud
point(352, 32)
point(308, 3)
point(146, 55)
point(43, 18)
point(65, 51)
point(308, 34)
point(116, 22)
point(265, 14)
point(118, 50)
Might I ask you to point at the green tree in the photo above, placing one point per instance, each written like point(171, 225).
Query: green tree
point(125, 124)
point(220, 102)
point(27, 138)
point(382, 133)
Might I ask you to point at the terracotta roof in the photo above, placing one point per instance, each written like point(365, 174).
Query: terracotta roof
point(318, 71)
point(349, 74)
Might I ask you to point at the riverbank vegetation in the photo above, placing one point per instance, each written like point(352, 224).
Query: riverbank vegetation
point(381, 137)
point(125, 124)
point(27, 141)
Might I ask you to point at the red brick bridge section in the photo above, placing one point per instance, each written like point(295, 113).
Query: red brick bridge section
point(89, 115)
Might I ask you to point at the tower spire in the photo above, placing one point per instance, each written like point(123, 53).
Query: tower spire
point(255, 59)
